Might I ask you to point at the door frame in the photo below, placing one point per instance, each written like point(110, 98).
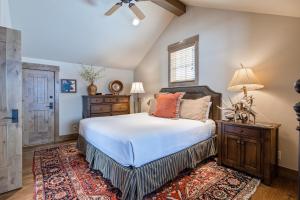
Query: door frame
point(55, 69)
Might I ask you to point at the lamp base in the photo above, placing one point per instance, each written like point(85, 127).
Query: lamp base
point(245, 91)
point(137, 104)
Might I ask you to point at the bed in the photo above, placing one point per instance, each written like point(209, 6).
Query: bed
point(139, 153)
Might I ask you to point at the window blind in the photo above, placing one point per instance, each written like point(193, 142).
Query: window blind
point(182, 64)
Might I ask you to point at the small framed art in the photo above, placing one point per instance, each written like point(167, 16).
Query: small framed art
point(68, 86)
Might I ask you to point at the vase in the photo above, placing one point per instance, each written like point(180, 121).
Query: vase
point(92, 89)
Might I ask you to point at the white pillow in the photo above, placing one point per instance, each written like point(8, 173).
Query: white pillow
point(195, 109)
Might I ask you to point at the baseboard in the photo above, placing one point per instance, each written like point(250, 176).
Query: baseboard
point(287, 173)
point(63, 138)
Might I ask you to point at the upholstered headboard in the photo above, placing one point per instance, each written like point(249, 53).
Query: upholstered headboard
point(195, 92)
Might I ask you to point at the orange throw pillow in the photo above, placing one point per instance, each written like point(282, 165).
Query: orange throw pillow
point(167, 105)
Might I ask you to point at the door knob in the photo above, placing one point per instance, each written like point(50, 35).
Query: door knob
point(14, 116)
point(50, 106)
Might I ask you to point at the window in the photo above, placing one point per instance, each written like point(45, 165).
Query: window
point(183, 62)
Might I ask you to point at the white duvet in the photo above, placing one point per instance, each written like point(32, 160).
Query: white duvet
point(137, 139)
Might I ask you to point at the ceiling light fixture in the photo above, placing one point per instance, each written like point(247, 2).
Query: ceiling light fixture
point(135, 22)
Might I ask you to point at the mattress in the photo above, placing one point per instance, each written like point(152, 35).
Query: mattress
point(137, 139)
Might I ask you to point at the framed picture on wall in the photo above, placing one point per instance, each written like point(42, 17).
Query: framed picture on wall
point(68, 86)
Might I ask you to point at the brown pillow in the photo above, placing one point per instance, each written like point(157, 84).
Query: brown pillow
point(195, 109)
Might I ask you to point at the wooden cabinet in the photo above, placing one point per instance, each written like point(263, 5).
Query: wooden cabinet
point(104, 105)
point(249, 148)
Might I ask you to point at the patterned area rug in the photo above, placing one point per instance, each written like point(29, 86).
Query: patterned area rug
point(62, 173)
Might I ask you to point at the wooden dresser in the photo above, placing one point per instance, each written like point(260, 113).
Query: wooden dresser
point(249, 148)
point(105, 105)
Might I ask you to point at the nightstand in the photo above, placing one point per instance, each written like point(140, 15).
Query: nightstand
point(250, 148)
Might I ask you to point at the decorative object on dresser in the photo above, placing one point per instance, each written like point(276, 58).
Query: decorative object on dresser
point(105, 105)
point(90, 75)
point(68, 86)
point(244, 80)
point(297, 109)
point(137, 88)
point(115, 87)
point(249, 148)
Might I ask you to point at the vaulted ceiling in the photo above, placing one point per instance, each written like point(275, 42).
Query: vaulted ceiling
point(276, 7)
point(77, 31)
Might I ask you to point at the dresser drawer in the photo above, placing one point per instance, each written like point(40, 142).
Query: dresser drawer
point(120, 113)
point(96, 100)
point(100, 108)
point(101, 115)
point(120, 107)
point(247, 132)
point(123, 99)
point(110, 100)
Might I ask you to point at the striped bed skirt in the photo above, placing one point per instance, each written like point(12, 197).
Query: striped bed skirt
point(135, 183)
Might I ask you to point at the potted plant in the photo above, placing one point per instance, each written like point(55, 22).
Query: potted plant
point(89, 74)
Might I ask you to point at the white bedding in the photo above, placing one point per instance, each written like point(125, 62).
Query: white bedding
point(137, 139)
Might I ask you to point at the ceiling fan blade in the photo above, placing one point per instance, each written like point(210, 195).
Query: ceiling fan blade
point(113, 9)
point(91, 2)
point(139, 14)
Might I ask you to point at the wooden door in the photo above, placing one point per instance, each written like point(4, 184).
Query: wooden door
point(38, 107)
point(10, 110)
point(251, 156)
point(231, 150)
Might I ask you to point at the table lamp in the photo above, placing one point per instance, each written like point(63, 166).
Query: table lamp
point(137, 88)
point(244, 80)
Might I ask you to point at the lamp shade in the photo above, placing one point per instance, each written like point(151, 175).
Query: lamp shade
point(137, 88)
point(244, 78)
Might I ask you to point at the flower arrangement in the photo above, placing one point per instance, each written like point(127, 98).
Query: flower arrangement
point(89, 74)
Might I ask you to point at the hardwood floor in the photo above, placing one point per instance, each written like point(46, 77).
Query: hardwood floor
point(281, 189)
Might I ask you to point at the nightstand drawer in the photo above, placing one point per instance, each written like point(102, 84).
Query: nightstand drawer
point(247, 132)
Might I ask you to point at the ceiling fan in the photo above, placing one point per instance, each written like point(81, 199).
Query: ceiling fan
point(137, 12)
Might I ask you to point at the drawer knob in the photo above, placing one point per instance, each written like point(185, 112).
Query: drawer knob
point(242, 131)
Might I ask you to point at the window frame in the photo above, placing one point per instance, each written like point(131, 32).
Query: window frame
point(189, 42)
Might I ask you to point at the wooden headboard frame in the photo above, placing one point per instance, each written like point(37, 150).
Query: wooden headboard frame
point(195, 92)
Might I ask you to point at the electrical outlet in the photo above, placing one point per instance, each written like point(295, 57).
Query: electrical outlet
point(279, 155)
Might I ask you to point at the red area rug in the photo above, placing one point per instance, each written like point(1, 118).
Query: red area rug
point(62, 173)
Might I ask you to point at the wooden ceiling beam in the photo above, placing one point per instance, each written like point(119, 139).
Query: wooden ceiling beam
point(174, 6)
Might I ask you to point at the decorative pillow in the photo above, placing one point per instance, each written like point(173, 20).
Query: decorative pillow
point(152, 106)
point(195, 109)
point(167, 105)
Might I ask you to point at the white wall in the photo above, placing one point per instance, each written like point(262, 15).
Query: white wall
point(269, 44)
point(70, 105)
point(5, 19)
